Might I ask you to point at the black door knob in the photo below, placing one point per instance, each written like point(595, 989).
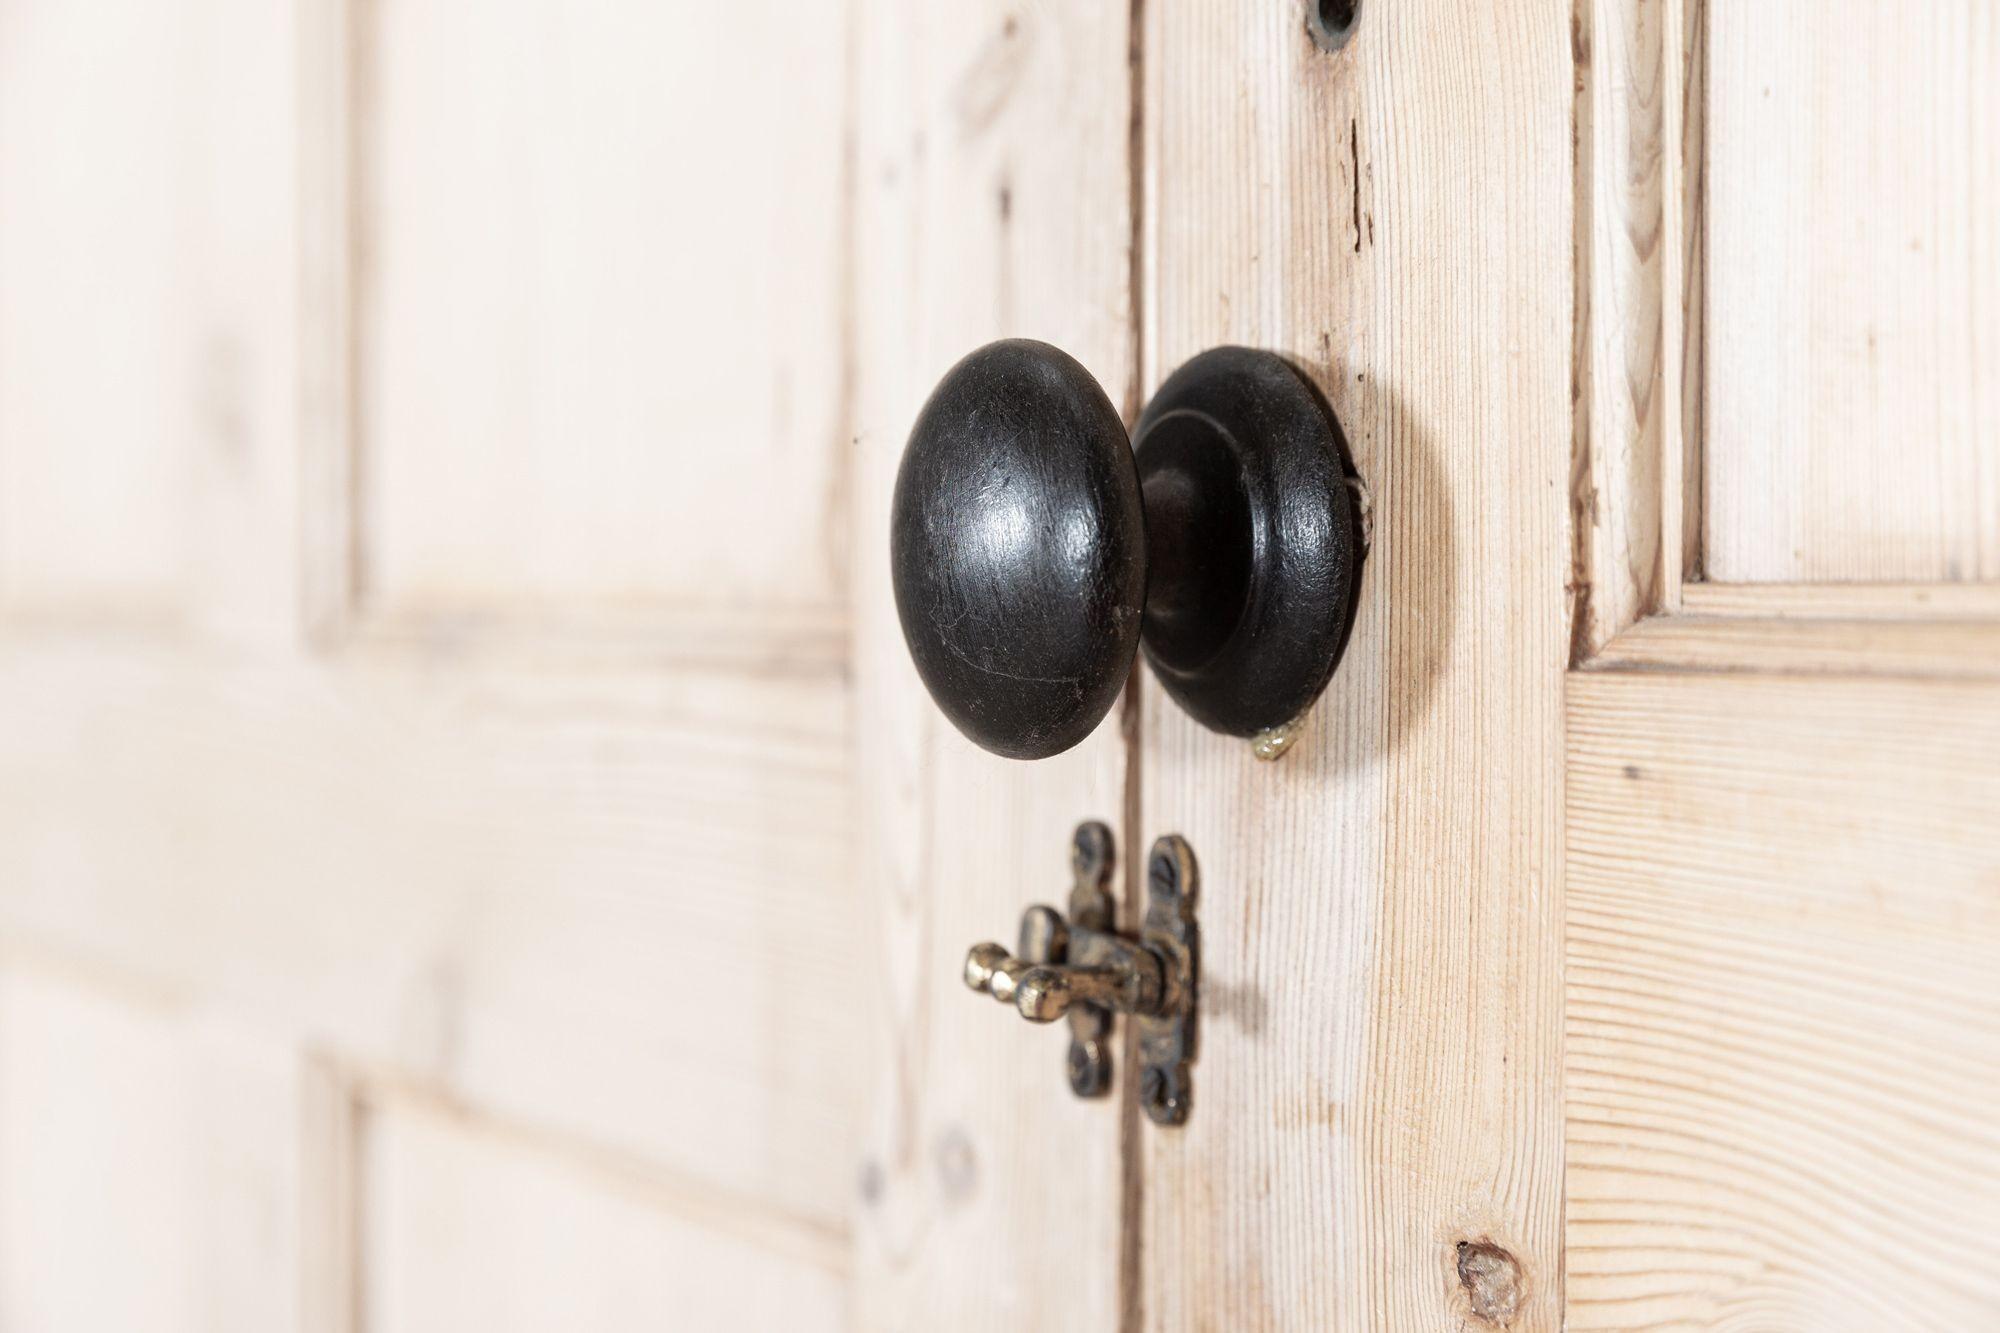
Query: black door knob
point(1034, 548)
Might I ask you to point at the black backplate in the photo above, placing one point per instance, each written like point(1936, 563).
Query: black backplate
point(1253, 539)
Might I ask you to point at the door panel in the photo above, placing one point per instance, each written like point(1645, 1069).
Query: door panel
point(469, 1228)
point(93, 513)
point(570, 904)
point(1853, 273)
point(994, 176)
point(1781, 912)
point(470, 727)
point(1378, 1078)
point(147, 387)
point(561, 266)
point(182, 1129)
point(1781, 1013)
point(473, 847)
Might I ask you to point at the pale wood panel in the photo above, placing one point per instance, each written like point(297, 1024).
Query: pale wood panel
point(153, 1162)
point(74, 1068)
point(1851, 601)
point(1936, 649)
point(1853, 412)
point(464, 1228)
point(1783, 1015)
point(329, 1262)
point(1618, 447)
point(327, 552)
point(1621, 403)
point(99, 320)
point(1685, 321)
point(1639, 105)
point(1379, 1076)
point(992, 166)
point(540, 873)
point(600, 301)
point(615, 905)
point(587, 636)
point(146, 350)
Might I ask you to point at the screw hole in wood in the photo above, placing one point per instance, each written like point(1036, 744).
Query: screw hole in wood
point(1331, 22)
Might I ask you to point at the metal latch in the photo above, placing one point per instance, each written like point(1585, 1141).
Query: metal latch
point(1081, 967)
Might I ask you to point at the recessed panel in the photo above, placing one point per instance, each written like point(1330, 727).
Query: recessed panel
point(617, 907)
point(464, 1227)
point(598, 267)
point(1782, 1014)
point(98, 345)
point(151, 1160)
point(1852, 421)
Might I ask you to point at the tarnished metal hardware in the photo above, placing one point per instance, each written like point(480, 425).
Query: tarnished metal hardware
point(1079, 967)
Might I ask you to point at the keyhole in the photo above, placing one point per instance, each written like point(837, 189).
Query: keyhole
point(1331, 22)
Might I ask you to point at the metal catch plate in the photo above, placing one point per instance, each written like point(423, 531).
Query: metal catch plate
point(1090, 906)
point(1167, 1039)
point(1081, 968)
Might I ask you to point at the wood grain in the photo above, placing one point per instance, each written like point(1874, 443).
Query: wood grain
point(592, 636)
point(1619, 448)
point(1815, 646)
point(598, 342)
point(89, 506)
point(329, 1281)
point(146, 373)
point(468, 1229)
point(1378, 1079)
point(327, 554)
point(1854, 292)
point(1635, 467)
point(1845, 601)
point(422, 539)
point(613, 905)
point(1683, 470)
point(991, 167)
point(179, 1128)
point(1783, 1017)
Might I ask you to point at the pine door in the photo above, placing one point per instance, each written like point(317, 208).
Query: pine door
point(1614, 950)
point(425, 814)
point(474, 852)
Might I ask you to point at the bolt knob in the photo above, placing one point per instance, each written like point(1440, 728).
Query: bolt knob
point(1044, 995)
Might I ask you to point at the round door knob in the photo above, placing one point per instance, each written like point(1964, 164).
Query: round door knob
point(1034, 548)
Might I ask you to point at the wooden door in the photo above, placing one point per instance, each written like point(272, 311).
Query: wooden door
point(425, 813)
point(474, 852)
point(1783, 736)
point(1380, 1074)
point(1614, 949)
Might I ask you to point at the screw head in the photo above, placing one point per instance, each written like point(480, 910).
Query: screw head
point(1090, 850)
point(1089, 1068)
point(1163, 1096)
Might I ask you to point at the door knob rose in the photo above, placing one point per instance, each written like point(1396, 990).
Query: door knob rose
point(1034, 548)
